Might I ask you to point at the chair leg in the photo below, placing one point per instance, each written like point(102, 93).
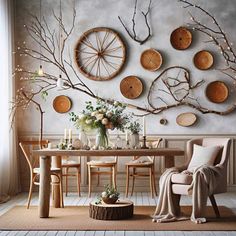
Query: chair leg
point(30, 190)
point(89, 181)
point(66, 174)
point(154, 181)
point(61, 191)
point(151, 183)
point(214, 205)
point(111, 176)
point(133, 180)
point(98, 183)
point(127, 181)
point(78, 181)
point(115, 173)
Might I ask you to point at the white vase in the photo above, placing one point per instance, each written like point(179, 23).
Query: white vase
point(134, 140)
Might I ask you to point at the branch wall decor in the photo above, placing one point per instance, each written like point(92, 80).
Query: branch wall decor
point(133, 34)
point(178, 89)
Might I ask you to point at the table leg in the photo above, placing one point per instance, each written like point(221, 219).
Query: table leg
point(169, 161)
point(44, 187)
point(56, 201)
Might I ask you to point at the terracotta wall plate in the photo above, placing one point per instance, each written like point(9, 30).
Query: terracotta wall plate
point(62, 104)
point(131, 87)
point(217, 91)
point(203, 60)
point(151, 59)
point(186, 119)
point(181, 38)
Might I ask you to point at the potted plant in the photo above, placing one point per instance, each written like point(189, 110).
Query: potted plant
point(109, 196)
point(134, 128)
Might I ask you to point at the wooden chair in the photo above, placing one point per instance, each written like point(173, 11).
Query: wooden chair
point(136, 164)
point(98, 165)
point(71, 164)
point(33, 163)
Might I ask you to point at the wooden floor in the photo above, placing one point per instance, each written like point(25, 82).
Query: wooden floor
point(139, 198)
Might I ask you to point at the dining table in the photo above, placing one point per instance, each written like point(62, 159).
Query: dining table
point(52, 158)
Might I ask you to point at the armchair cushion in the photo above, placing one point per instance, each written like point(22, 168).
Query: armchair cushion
point(181, 178)
point(203, 156)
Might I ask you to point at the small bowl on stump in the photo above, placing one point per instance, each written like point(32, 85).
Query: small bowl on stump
point(109, 200)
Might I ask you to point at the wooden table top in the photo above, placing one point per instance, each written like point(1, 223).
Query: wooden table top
point(112, 152)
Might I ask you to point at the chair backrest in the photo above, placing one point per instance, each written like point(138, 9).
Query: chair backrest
point(155, 144)
point(222, 157)
point(27, 147)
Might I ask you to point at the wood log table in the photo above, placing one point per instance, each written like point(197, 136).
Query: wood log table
point(120, 210)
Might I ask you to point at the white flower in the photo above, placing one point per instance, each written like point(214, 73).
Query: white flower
point(81, 116)
point(109, 114)
point(104, 194)
point(88, 121)
point(99, 116)
point(94, 113)
point(104, 121)
point(116, 103)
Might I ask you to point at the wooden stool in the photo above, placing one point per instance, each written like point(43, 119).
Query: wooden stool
point(118, 211)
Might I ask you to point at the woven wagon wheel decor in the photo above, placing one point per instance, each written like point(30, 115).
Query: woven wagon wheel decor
point(100, 54)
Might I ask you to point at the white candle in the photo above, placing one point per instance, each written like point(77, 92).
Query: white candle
point(144, 126)
point(126, 135)
point(70, 135)
point(65, 134)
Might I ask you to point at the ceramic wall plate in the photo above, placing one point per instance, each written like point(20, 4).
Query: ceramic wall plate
point(151, 59)
point(131, 87)
point(186, 119)
point(62, 104)
point(203, 60)
point(181, 38)
point(217, 92)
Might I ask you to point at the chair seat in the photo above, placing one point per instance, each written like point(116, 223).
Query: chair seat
point(138, 163)
point(181, 178)
point(37, 170)
point(70, 163)
point(181, 189)
point(101, 163)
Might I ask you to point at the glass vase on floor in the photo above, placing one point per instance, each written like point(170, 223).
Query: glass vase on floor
point(102, 138)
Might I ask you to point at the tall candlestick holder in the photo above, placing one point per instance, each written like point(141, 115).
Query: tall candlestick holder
point(144, 146)
point(66, 140)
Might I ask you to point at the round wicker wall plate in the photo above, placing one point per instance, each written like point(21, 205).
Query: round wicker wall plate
point(100, 54)
point(203, 60)
point(62, 104)
point(181, 38)
point(186, 119)
point(151, 59)
point(217, 92)
point(131, 87)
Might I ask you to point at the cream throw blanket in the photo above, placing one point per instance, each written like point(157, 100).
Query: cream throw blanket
point(203, 185)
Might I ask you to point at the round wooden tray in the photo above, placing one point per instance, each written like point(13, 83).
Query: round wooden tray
point(181, 38)
point(186, 119)
point(131, 87)
point(118, 211)
point(203, 60)
point(151, 59)
point(217, 91)
point(62, 104)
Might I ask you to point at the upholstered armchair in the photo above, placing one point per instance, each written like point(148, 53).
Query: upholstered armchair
point(181, 182)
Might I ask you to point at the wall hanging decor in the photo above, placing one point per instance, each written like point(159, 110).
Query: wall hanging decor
point(132, 34)
point(62, 104)
point(163, 121)
point(131, 87)
point(217, 91)
point(100, 54)
point(151, 59)
point(186, 119)
point(181, 38)
point(203, 60)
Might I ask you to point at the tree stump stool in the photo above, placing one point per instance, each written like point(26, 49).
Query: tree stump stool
point(118, 211)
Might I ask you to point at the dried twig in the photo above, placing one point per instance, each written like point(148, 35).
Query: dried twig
point(133, 34)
